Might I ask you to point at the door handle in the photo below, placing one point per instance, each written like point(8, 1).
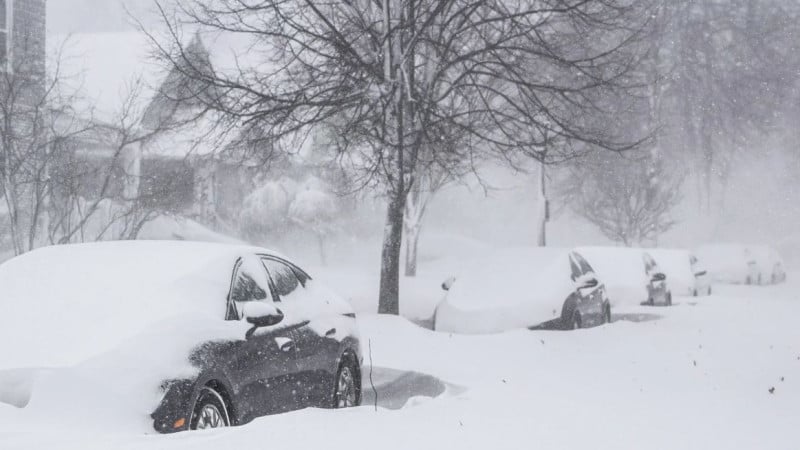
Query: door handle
point(284, 344)
point(330, 332)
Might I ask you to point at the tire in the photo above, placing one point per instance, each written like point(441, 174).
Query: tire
point(346, 392)
point(209, 411)
point(607, 315)
point(668, 300)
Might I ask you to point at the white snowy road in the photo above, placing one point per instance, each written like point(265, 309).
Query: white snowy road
point(694, 376)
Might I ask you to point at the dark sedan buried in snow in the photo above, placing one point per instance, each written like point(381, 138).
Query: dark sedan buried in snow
point(198, 335)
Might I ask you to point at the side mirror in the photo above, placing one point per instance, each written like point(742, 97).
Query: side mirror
point(448, 283)
point(261, 314)
point(701, 273)
point(588, 283)
point(659, 277)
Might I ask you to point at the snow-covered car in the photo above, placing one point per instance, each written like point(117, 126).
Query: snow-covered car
point(702, 279)
point(729, 263)
point(523, 288)
point(631, 275)
point(197, 335)
point(683, 270)
point(770, 264)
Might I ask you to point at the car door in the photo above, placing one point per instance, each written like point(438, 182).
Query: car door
point(316, 349)
point(264, 363)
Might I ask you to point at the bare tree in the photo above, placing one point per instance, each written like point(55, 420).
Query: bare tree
point(385, 75)
point(629, 198)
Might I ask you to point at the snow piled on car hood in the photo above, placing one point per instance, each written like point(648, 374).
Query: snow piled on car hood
point(513, 288)
point(62, 305)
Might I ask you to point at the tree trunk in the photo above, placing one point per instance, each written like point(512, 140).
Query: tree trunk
point(412, 244)
point(389, 295)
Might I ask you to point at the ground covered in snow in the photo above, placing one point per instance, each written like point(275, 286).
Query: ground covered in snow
point(721, 372)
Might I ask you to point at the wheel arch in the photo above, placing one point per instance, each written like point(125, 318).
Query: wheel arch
point(223, 392)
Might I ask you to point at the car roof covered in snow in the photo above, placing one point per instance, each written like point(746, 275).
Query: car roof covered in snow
point(508, 289)
point(79, 300)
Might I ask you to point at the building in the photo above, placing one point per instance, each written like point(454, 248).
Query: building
point(179, 165)
point(23, 34)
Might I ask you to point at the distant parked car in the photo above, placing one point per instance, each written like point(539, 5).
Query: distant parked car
point(683, 270)
point(631, 275)
point(730, 263)
point(769, 263)
point(702, 279)
point(524, 288)
point(196, 335)
point(657, 289)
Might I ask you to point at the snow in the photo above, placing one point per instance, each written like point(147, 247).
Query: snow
point(78, 301)
point(698, 378)
point(727, 263)
point(676, 265)
point(508, 289)
point(177, 228)
point(622, 271)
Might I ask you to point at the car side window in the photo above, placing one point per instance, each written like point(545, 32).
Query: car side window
point(584, 265)
point(249, 284)
point(649, 263)
point(284, 278)
point(574, 268)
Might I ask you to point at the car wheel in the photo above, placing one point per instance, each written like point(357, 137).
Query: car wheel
point(346, 394)
point(209, 411)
